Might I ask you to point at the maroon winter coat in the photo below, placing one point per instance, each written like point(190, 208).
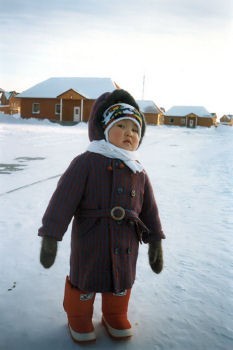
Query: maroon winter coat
point(103, 251)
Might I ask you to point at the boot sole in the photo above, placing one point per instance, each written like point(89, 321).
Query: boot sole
point(117, 334)
point(77, 337)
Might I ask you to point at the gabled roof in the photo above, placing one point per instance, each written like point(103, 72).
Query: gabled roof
point(9, 94)
point(182, 111)
point(228, 116)
point(90, 88)
point(148, 106)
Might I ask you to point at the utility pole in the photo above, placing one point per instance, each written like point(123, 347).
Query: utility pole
point(143, 85)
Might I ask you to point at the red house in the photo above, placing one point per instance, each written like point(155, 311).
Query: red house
point(189, 116)
point(9, 104)
point(64, 99)
point(153, 114)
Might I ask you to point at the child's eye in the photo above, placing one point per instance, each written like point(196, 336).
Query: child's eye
point(120, 125)
point(135, 130)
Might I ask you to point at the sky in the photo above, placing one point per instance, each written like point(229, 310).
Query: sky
point(174, 52)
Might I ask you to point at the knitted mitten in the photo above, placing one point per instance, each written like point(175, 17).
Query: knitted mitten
point(48, 251)
point(155, 253)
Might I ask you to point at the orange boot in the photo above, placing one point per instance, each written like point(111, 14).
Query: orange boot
point(79, 308)
point(114, 308)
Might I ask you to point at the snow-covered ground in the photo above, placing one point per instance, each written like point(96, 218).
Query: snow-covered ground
point(188, 306)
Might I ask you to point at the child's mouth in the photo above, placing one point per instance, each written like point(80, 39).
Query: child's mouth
point(127, 142)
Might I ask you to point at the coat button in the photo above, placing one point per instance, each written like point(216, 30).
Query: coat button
point(120, 190)
point(129, 250)
point(133, 193)
point(116, 251)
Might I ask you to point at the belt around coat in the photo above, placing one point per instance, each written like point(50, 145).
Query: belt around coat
point(118, 213)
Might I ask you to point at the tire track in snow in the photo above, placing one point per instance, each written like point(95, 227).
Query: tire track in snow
point(29, 185)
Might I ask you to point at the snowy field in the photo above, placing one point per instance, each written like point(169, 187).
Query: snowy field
point(189, 306)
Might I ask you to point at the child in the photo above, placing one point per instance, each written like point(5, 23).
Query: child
point(109, 196)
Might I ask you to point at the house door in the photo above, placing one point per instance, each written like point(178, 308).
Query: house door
point(191, 123)
point(76, 115)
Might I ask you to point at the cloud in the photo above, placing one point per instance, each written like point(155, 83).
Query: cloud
point(195, 9)
point(121, 10)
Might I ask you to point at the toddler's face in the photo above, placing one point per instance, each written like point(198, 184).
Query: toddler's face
point(124, 134)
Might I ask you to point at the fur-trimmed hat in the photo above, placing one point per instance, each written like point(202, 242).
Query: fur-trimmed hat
point(103, 117)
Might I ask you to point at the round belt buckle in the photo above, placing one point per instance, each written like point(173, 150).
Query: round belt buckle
point(118, 213)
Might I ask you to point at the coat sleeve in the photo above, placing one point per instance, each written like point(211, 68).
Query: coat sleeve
point(150, 214)
point(65, 200)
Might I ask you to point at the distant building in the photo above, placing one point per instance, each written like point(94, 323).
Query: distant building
point(189, 116)
point(64, 99)
point(9, 104)
point(227, 119)
point(153, 114)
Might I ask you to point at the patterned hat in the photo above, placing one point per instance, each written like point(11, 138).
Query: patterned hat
point(110, 107)
point(121, 111)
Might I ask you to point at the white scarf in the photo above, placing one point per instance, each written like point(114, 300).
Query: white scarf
point(109, 150)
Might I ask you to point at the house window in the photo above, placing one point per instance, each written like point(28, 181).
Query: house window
point(171, 120)
point(57, 108)
point(183, 121)
point(35, 108)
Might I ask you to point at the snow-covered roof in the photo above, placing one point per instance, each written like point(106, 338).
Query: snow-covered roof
point(148, 106)
point(228, 116)
point(7, 94)
point(182, 111)
point(88, 87)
